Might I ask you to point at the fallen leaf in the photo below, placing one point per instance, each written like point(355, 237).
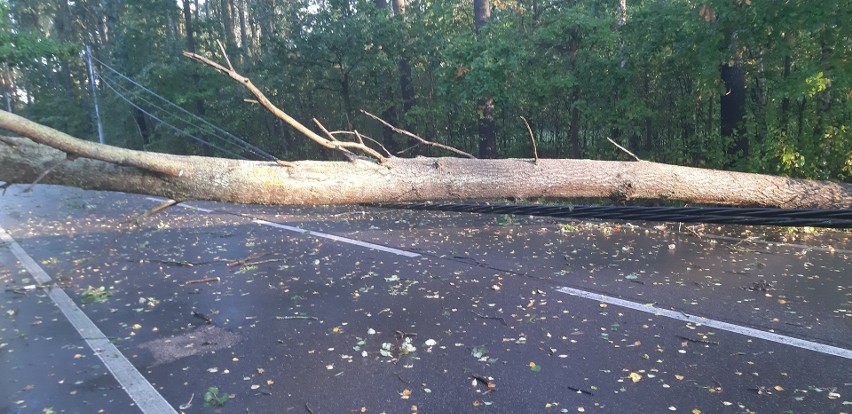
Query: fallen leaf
point(635, 377)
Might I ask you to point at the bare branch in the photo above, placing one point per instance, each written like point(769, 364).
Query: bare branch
point(225, 55)
point(532, 138)
point(623, 149)
point(162, 163)
point(263, 100)
point(45, 173)
point(421, 140)
point(362, 136)
point(156, 209)
point(324, 130)
point(344, 146)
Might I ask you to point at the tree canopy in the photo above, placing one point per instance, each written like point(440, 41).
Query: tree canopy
point(652, 75)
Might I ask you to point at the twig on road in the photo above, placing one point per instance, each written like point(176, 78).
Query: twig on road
point(496, 318)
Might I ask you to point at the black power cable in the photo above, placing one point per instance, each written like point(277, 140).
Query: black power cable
point(715, 215)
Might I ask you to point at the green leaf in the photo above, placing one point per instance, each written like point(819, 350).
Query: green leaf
point(479, 352)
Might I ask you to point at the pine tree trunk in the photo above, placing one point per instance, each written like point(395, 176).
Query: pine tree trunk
point(396, 180)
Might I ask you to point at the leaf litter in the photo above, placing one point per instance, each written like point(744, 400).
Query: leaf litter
point(551, 341)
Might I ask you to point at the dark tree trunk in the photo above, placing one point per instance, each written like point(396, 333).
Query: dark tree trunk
point(574, 132)
point(227, 26)
point(389, 113)
point(142, 123)
point(487, 130)
point(265, 14)
point(823, 98)
point(732, 107)
point(244, 46)
point(800, 126)
point(487, 134)
point(196, 80)
point(62, 23)
point(406, 87)
point(345, 89)
point(404, 68)
point(187, 17)
point(785, 102)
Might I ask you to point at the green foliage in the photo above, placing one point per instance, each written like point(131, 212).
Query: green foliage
point(652, 84)
point(212, 397)
point(25, 47)
point(99, 294)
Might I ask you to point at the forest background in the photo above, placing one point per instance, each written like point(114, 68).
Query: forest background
point(749, 85)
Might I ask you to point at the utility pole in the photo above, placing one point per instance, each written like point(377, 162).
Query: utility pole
point(94, 94)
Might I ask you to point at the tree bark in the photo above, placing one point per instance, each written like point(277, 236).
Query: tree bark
point(185, 178)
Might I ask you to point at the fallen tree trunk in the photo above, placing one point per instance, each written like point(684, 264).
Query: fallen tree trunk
point(185, 178)
point(62, 159)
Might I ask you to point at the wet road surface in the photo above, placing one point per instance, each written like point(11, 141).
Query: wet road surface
point(353, 309)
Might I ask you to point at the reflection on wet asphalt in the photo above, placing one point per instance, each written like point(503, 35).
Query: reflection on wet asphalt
point(284, 321)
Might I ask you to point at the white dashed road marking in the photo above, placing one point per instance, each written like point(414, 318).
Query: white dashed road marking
point(725, 326)
point(373, 246)
point(307, 232)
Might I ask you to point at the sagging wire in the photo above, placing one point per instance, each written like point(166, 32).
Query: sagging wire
point(226, 135)
point(176, 129)
point(717, 215)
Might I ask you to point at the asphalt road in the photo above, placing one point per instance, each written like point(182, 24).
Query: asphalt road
point(353, 309)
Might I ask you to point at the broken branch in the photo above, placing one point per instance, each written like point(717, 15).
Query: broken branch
point(532, 139)
point(204, 280)
point(263, 100)
point(421, 140)
point(623, 149)
point(162, 163)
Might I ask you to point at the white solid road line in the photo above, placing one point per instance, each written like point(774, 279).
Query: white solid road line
point(379, 247)
point(725, 326)
point(137, 387)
